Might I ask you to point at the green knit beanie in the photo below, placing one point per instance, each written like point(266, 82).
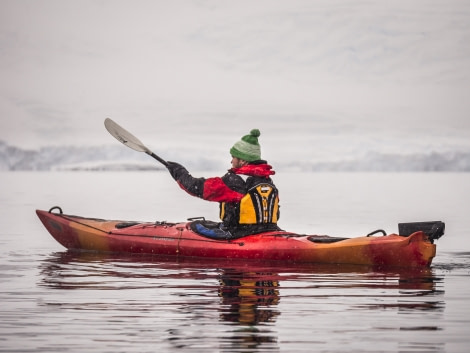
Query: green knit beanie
point(248, 147)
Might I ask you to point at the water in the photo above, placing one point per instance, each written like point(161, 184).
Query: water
point(56, 301)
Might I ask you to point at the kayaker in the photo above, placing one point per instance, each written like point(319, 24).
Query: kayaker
point(249, 200)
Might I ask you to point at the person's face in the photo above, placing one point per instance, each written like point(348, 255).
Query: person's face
point(237, 162)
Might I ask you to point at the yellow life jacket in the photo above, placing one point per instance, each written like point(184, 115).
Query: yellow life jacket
point(260, 205)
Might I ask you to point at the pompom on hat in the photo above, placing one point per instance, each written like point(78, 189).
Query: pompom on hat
point(248, 147)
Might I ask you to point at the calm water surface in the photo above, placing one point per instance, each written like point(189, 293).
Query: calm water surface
point(58, 301)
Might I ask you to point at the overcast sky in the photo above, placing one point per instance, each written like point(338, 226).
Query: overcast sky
point(174, 71)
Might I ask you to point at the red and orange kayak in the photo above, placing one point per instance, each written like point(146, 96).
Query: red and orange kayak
point(416, 249)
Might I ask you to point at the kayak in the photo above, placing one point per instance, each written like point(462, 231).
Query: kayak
point(413, 247)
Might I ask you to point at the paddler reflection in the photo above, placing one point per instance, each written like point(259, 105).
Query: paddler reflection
point(249, 297)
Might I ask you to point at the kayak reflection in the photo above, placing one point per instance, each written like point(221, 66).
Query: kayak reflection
point(236, 279)
point(245, 293)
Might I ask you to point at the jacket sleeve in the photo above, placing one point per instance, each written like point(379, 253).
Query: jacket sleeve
point(193, 186)
point(229, 188)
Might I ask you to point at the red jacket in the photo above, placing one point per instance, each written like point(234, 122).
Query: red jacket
point(228, 189)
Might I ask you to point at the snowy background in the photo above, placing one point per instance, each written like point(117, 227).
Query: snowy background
point(331, 84)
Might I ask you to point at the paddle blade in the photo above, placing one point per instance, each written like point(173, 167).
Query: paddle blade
point(124, 136)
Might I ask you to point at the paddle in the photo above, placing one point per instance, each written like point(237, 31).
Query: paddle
point(125, 137)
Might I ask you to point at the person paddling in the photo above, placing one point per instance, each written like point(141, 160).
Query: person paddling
point(249, 200)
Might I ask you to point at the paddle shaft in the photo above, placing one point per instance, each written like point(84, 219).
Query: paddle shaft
point(161, 160)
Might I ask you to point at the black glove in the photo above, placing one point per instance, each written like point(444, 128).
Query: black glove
point(176, 170)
